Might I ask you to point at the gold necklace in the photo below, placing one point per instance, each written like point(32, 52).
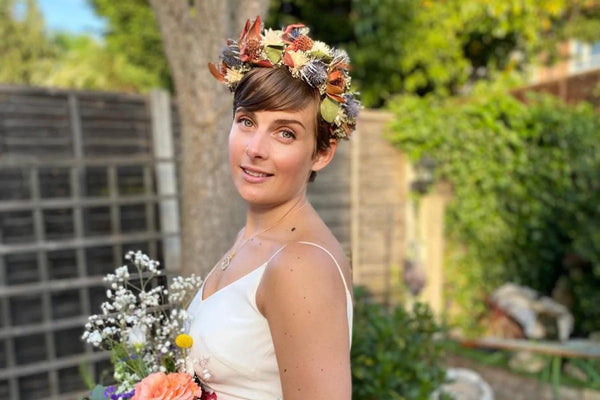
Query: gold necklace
point(227, 260)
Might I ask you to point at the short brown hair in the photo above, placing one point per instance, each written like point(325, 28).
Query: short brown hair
point(275, 89)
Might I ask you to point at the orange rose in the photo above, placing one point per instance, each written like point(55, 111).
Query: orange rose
point(173, 386)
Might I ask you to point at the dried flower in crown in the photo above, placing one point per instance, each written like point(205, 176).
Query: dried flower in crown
point(317, 64)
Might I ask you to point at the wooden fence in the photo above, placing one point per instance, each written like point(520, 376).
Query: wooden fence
point(571, 89)
point(78, 189)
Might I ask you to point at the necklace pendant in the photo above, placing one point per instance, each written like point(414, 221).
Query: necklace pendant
point(226, 261)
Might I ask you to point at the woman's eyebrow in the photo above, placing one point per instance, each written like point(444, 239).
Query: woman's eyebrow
point(243, 110)
point(280, 121)
point(289, 121)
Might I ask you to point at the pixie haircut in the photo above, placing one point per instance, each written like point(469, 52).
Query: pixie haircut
point(275, 89)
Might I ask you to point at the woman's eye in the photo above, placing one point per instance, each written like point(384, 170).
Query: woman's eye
point(287, 134)
point(246, 122)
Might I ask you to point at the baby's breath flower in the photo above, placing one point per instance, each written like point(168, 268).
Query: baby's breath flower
point(136, 306)
point(95, 338)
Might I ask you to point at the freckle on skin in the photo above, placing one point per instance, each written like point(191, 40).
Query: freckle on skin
point(293, 229)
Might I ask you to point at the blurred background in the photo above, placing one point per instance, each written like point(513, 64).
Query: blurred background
point(468, 200)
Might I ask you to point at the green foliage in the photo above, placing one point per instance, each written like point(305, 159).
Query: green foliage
point(425, 46)
point(526, 184)
point(84, 63)
point(583, 20)
point(26, 54)
point(98, 393)
point(394, 354)
point(328, 20)
point(133, 33)
point(31, 56)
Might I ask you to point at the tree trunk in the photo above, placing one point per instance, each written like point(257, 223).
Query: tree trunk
point(193, 35)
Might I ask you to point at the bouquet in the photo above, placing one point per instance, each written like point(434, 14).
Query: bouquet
point(142, 325)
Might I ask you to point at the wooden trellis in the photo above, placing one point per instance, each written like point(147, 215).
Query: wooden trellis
point(77, 190)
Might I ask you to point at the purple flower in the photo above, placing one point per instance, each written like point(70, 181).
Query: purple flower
point(314, 73)
point(123, 396)
point(109, 391)
point(351, 106)
point(231, 54)
point(295, 32)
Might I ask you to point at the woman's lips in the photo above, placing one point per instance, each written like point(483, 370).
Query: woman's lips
point(254, 175)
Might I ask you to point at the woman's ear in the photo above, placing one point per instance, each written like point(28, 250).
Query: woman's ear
point(324, 157)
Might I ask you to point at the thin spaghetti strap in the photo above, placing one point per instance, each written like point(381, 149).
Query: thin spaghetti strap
point(274, 254)
point(333, 258)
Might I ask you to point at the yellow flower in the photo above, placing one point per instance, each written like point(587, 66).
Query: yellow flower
point(233, 75)
point(184, 341)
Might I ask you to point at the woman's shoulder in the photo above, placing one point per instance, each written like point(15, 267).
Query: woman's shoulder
point(306, 268)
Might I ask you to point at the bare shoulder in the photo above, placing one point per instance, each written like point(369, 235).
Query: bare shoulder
point(306, 270)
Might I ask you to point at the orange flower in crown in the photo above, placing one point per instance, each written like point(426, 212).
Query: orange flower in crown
point(250, 45)
point(316, 63)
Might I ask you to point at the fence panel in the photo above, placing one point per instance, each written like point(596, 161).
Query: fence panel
point(78, 190)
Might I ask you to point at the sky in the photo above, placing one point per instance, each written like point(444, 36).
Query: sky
point(74, 16)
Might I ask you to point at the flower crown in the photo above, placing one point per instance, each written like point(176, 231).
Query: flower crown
point(316, 63)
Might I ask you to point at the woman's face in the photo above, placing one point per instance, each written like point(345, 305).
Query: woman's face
point(271, 154)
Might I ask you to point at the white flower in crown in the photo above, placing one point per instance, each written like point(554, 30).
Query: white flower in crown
point(299, 59)
point(320, 50)
point(272, 37)
point(234, 75)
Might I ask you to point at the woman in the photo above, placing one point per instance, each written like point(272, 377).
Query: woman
point(274, 317)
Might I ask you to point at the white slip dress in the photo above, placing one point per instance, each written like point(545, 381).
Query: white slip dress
point(232, 349)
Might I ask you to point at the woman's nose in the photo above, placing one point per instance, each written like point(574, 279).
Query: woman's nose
point(256, 146)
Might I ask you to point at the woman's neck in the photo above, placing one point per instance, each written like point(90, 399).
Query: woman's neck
point(261, 219)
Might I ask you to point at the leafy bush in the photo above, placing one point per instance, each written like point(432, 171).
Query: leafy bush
point(526, 184)
point(394, 355)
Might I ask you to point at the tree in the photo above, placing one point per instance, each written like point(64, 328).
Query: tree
point(84, 63)
point(133, 34)
point(193, 34)
point(26, 54)
point(443, 47)
point(31, 56)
